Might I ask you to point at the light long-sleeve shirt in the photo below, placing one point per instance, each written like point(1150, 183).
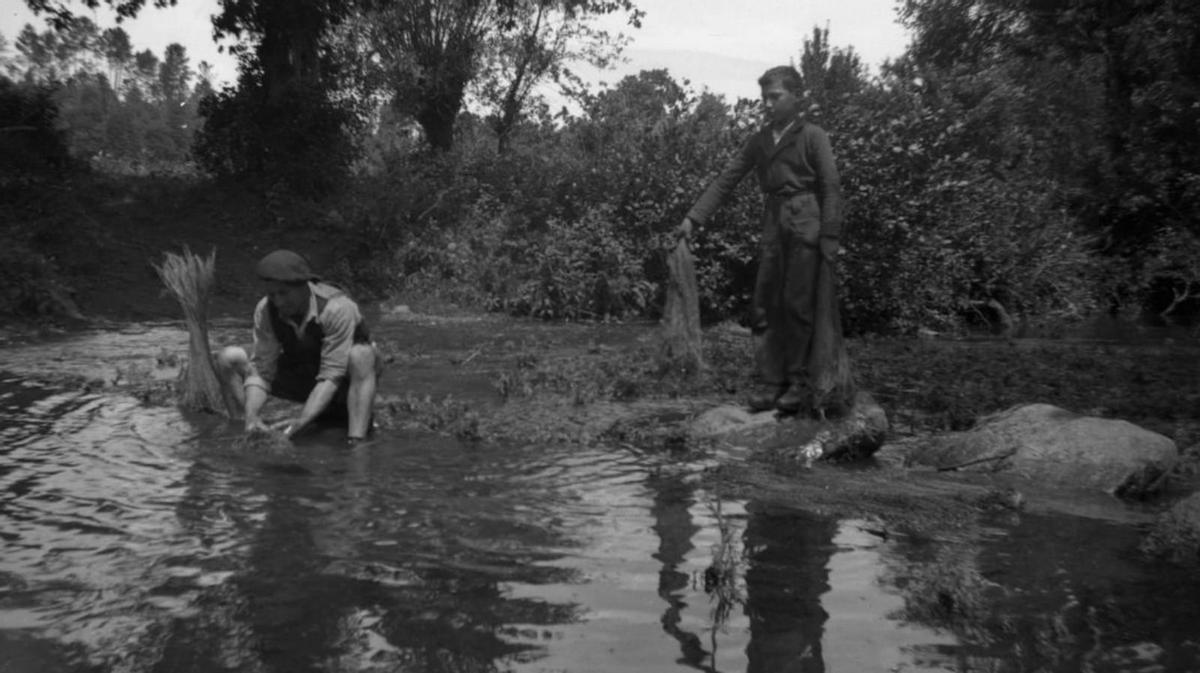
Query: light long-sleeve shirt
point(335, 313)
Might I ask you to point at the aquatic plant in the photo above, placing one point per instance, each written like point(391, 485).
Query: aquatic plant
point(721, 576)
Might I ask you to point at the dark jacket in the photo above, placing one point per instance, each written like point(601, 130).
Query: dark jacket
point(802, 162)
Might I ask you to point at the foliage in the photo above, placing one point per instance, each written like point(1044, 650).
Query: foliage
point(1131, 97)
point(121, 111)
point(938, 227)
point(1007, 167)
point(426, 57)
point(30, 141)
point(930, 385)
point(296, 138)
point(584, 270)
point(34, 162)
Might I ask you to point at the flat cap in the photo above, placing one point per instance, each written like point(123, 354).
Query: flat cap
point(284, 265)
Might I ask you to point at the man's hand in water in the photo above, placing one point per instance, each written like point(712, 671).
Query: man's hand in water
point(256, 426)
point(286, 427)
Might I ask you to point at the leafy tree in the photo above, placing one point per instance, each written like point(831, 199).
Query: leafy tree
point(32, 142)
point(75, 48)
point(434, 50)
point(145, 74)
point(85, 102)
point(1133, 62)
point(430, 48)
point(37, 54)
point(118, 53)
point(61, 13)
point(174, 79)
point(830, 74)
point(9, 63)
point(540, 42)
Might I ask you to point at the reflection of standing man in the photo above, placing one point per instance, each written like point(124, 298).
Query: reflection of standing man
point(673, 524)
point(795, 302)
point(787, 553)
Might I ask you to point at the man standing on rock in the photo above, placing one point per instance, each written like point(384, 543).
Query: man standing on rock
point(311, 345)
point(801, 357)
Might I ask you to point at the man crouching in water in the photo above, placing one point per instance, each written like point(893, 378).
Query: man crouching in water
point(310, 345)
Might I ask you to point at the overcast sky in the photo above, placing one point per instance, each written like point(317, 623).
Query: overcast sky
point(722, 45)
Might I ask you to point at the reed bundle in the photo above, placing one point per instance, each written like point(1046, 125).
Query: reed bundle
point(681, 348)
point(189, 278)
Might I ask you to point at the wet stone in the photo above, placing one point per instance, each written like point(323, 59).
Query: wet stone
point(1055, 446)
point(855, 435)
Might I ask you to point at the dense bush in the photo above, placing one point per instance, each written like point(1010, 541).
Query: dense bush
point(34, 165)
point(31, 144)
point(297, 138)
point(572, 222)
point(935, 231)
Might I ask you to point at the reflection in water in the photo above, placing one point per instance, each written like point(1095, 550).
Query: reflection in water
point(1058, 594)
point(673, 499)
point(862, 631)
point(787, 553)
point(137, 539)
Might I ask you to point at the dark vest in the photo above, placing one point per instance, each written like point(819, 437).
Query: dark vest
point(300, 354)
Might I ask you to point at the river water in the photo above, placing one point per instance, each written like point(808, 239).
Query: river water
point(138, 538)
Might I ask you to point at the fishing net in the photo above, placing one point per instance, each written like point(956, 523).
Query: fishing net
point(681, 348)
point(833, 386)
point(189, 278)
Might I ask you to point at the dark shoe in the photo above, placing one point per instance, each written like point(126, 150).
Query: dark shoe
point(765, 398)
point(796, 398)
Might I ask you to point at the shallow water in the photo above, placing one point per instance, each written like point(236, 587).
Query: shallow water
point(137, 538)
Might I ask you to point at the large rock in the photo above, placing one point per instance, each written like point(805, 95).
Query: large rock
point(1175, 534)
point(1053, 445)
point(857, 434)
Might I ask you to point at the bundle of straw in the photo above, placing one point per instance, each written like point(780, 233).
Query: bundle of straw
point(190, 279)
point(681, 348)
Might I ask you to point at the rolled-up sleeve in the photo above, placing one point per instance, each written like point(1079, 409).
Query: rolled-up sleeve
point(338, 321)
point(266, 345)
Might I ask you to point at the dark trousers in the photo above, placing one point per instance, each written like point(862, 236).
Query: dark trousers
point(795, 304)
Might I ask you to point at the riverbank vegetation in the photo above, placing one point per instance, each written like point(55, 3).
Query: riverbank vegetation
point(1008, 168)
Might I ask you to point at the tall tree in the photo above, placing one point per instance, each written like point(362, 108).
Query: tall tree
point(76, 47)
point(37, 54)
point(174, 79)
point(8, 65)
point(831, 74)
point(145, 74)
point(541, 40)
point(118, 53)
point(174, 75)
point(435, 50)
point(431, 48)
point(1138, 60)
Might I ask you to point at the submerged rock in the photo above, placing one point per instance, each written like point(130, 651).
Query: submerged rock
point(857, 434)
point(1053, 445)
point(1175, 534)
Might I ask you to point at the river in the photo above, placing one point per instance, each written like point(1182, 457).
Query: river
point(136, 537)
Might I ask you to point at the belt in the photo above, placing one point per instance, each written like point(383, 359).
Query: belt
point(787, 194)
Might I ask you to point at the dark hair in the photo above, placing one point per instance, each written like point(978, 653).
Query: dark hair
point(785, 75)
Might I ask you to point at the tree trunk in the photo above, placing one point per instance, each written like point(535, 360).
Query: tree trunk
point(438, 126)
